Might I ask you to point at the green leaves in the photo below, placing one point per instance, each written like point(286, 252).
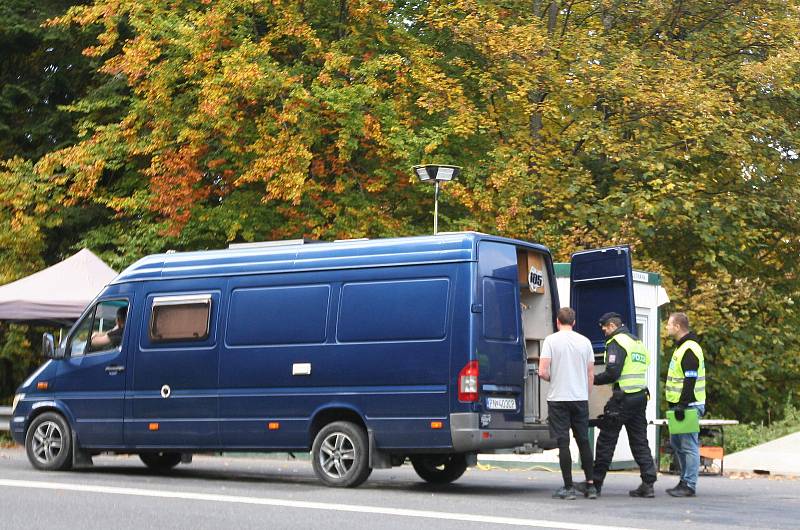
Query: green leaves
point(669, 126)
point(24, 211)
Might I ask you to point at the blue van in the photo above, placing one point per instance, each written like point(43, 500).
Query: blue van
point(364, 352)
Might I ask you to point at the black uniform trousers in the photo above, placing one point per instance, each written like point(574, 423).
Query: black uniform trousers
point(631, 415)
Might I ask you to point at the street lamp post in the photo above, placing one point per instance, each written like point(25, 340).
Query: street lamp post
point(436, 174)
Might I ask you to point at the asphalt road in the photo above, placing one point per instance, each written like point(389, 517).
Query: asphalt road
point(272, 492)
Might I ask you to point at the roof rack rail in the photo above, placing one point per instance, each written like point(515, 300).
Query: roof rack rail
point(267, 244)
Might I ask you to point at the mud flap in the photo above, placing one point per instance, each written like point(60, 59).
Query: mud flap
point(80, 457)
point(377, 458)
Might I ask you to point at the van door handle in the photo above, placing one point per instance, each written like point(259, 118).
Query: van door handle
point(113, 369)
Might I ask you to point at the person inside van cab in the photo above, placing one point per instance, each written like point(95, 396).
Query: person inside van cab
point(113, 337)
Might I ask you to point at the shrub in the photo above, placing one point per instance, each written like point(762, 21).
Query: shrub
point(739, 437)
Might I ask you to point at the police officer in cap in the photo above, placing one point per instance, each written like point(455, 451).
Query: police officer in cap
point(626, 368)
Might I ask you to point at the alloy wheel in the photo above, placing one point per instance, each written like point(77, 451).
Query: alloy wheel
point(337, 455)
point(48, 441)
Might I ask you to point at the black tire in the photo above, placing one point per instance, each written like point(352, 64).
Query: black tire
point(340, 455)
point(439, 469)
point(161, 461)
point(48, 442)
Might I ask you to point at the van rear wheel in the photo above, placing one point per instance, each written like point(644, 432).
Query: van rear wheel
point(48, 442)
point(439, 469)
point(161, 461)
point(340, 455)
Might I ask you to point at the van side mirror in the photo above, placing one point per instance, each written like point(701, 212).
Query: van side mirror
point(49, 349)
point(48, 346)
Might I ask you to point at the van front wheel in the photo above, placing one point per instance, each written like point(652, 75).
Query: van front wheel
point(439, 469)
point(339, 455)
point(48, 442)
point(161, 461)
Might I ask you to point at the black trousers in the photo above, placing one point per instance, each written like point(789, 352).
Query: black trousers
point(563, 415)
point(631, 409)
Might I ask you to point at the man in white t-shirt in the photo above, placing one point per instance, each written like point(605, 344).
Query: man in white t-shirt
point(567, 361)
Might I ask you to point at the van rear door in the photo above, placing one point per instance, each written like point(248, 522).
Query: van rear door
point(500, 352)
point(601, 280)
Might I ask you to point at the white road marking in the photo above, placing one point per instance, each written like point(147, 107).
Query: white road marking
point(400, 512)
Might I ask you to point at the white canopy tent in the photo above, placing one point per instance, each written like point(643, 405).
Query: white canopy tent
point(57, 293)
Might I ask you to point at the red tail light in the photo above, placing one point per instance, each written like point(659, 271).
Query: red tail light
point(468, 382)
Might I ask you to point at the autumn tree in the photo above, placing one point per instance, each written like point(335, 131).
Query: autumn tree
point(670, 125)
point(41, 70)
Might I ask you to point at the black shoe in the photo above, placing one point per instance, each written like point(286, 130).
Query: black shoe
point(644, 490)
point(681, 490)
point(565, 493)
point(680, 485)
point(592, 491)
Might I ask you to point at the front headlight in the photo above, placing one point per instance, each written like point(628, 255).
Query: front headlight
point(17, 399)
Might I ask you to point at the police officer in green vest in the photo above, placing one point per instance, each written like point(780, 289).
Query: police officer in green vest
point(626, 369)
point(685, 388)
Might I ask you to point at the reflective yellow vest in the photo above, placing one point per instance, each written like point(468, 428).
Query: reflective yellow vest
point(675, 375)
point(634, 372)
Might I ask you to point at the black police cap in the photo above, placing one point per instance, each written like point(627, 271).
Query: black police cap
point(605, 317)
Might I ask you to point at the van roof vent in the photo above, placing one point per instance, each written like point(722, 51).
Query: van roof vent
point(267, 244)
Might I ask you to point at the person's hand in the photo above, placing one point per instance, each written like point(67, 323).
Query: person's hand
point(680, 413)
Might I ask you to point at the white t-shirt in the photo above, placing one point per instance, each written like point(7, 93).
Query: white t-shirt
point(570, 355)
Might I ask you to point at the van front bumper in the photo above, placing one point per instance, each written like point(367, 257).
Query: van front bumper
point(17, 428)
point(468, 437)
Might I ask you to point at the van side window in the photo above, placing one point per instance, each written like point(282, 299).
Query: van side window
point(262, 316)
point(101, 330)
point(80, 338)
point(109, 325)
point(180, 318)
point(393, 310)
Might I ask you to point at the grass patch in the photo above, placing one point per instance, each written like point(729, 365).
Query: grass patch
point(6, 440)
point(739, 437)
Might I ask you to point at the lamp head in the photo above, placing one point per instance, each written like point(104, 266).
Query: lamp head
point(436, 172)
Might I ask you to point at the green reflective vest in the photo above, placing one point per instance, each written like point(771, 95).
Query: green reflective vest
point(675, 375)
point(634, 372)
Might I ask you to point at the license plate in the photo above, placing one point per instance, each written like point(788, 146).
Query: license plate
point(501, 403)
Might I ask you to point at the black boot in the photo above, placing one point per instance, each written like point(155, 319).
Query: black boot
point(644, 490)
point(679, 485)
point(681, 490)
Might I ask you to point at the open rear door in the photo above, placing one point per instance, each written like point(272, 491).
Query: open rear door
point(601, 280)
